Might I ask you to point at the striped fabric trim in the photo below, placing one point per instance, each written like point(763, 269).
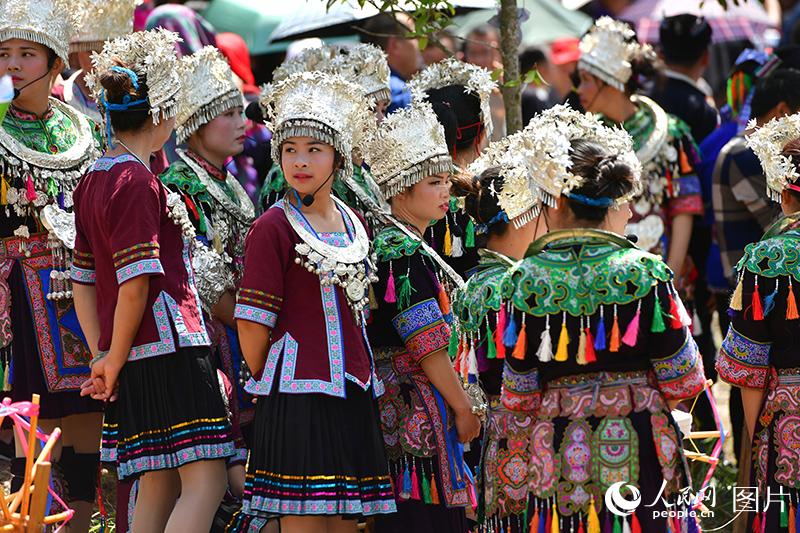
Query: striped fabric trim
point(137, 252)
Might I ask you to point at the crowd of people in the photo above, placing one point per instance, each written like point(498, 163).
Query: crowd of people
point(364, 301)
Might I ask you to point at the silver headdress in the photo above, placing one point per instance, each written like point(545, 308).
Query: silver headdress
point(207, 90)
point(323, 106)
point(362, 64)
point(48, 22)
point(151, 55)
point(100, 21)
point(768, 142)
point(607, 49)
point(536, 162)
point(408, 146)
point(475, 80)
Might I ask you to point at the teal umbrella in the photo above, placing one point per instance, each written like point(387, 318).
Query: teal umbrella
point(254, 20)
point(547, 20)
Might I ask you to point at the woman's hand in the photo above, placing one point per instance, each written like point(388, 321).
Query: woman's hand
point(468, 425)
point(103, 382)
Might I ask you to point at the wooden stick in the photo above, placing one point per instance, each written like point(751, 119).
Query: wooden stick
point(700, 457)
point(48, 447)
point(39, 499)
point(52, 519)
point(703, 435)
point(29, 459)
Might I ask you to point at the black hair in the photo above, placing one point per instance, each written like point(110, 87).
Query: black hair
point(792, 151)
point(605, 176)
point(51, 58)
point(684, 39)
point(456, 106)
point(117, 86)
point(782, 85)
point(480, 204)
point(378, 29)
point(530, 58)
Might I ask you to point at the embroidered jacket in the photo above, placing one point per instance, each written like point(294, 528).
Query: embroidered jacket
point(670, 185)
point(410, 324)
point(315, 341)
point(760, 349)
point(123, 231)
point(602, 341)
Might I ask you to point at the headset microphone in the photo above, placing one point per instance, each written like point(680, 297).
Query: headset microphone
point(632, 238)
point(18, 91)
point(308, 199)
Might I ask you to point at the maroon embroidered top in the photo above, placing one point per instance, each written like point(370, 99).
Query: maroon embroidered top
point(315, 343)
point(124, 231)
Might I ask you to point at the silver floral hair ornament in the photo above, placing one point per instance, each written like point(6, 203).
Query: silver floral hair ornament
point(149, 57)
point(362, 64)
point(207, 91)
point(407, 147)
point(51, 23)
point(554, 177)
point(768, 142)
point(315, 104)
point(607, 50)
point(100, 21)
point(476, 81)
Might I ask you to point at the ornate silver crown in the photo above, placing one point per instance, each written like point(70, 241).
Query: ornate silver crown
point(151, 55)
point(475, 80)
point(406, 148)
point(319, 105)
point(607, 49)
point(100, 21)
point(207, 90)
point(48, 22)
point(362, 64)
point(768, 142)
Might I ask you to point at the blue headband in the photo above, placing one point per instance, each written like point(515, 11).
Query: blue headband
point(480, 229)
point(603, 201)
point(126, 104)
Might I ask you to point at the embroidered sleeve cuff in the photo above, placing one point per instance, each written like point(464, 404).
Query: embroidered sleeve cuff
point(135, 254)
point(238, 458)
point(82, 276)
point(423, 329)
point(254, 314)
point(681, 375)
point(521, 390)
point(145, 267)
point(743, 362)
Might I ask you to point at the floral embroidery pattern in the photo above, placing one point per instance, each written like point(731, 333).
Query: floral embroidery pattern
point(668, 447)
point(616, 457)
point(81, 275)
point(576, 489)
point(263, 386)
point(139, 268)
point(520, 390)
point(254, 314)
point(545, 465)
point(681, 375)
point(787, 462)
point(743, 361)
point(422, 328)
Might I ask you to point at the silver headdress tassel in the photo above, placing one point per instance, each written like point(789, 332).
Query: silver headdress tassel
point(475, 80)
point(50, 23)
point(768, 142)
point(406, 148)
point(607, 50)
point(100, 21)
point(151, 55)
point(323, 106)
point(362, 64)
point(207, 91)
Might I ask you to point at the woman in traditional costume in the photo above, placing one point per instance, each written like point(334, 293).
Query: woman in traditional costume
point(607, 350)
point(611, 68)
point(460, 94)
point(317, 460)
point(759, 353)
point(507, 221)
point(136, 299)
point(211, 125)
point(425, 412)
point(366, 66)
point(98, 22)
point(45, 146)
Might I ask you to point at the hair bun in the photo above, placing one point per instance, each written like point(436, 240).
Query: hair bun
point(117, 85)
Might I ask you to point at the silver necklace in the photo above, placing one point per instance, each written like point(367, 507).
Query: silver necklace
point(132, 153)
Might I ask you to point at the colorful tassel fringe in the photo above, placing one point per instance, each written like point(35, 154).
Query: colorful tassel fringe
point(545, 351)
point(658, 316)
point(580, 357)
point(632, 332)
point(414, 484)
point(554, 528)
point(615, 338)
point(404, 292)
point(390, 296)
point(522, 343)
point(675, 320)
point(592, 521)
point(736, 300)
point(600, 336)
point(755, 303)
point(491, 349)
point(791, 304)
point(469, 240)
point(510, 334)
point(434, 491)
point(563, 342)
point(499, 346)
point(448, 240)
